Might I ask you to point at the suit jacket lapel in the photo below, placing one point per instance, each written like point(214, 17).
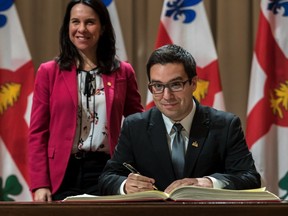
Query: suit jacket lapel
point(198, 134)
point(158, 136)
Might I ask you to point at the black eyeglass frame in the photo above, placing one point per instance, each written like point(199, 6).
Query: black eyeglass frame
point(168, 85)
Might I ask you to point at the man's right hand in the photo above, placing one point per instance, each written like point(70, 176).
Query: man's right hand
point(138, 183)
point(42, 195)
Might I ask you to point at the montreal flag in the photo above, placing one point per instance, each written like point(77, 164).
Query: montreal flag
point(267, 116)
point(16, 88)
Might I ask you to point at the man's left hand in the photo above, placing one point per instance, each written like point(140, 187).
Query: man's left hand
point(200, 182)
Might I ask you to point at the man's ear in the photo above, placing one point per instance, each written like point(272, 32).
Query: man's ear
point(194, 82)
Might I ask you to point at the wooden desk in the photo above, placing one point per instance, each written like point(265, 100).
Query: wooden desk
point(142, 208)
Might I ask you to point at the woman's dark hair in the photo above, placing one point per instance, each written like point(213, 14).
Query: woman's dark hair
point(106, 50)
point(172, 54)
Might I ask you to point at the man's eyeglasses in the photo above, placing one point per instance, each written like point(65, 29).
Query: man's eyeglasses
point(176, 86)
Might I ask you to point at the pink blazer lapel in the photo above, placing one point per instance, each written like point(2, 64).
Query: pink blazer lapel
point(70, 78)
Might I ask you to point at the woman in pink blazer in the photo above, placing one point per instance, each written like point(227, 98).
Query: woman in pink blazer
point(79, 102)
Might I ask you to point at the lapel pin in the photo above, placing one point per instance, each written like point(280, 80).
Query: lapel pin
point(195, 144)
point(109, 84)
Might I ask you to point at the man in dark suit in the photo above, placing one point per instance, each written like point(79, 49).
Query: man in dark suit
point(215, 153)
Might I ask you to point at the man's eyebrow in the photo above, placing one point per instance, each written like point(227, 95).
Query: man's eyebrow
point(173, 80)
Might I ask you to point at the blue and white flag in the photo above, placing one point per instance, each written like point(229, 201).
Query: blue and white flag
point(120, 46)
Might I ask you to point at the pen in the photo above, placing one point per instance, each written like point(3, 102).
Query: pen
point(130, 168)
point(133, 170)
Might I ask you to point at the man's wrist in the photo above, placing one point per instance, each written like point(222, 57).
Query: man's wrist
point(122, 188)
point(216, 182)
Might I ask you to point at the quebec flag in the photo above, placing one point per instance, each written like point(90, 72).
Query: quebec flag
point(267, 115)
point(16, 88)
point(120, 46)
point(184, 22)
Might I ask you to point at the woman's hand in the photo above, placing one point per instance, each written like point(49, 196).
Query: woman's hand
point(42, 195)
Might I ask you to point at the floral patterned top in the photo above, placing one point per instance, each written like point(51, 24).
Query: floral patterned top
point(92, 133)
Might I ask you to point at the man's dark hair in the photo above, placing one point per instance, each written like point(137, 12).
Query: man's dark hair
point(172, 53)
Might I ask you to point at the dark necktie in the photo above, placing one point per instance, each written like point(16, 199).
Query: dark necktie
point(178, 151)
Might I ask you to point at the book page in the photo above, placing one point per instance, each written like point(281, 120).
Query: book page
point(193, 193)
point(141, 196)
point(82, 196)
point(185, 193)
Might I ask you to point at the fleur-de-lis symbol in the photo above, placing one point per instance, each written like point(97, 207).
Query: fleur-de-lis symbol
point(182, 9)
point(4, 5)
point(276, 5)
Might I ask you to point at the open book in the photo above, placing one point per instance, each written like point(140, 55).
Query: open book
point(185, 193)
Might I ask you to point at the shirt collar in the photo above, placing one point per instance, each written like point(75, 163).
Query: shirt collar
point(186, 122)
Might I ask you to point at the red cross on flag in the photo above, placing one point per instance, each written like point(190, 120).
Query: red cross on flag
point(267, 116)
point(184, 22)
point(16, 86)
